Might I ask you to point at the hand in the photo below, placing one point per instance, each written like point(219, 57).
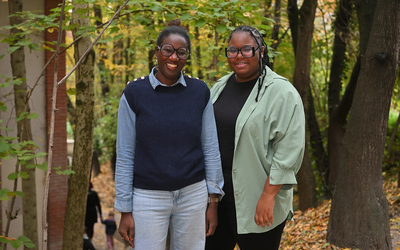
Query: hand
point(127, 224)
point(211, 218)
point(264, 211)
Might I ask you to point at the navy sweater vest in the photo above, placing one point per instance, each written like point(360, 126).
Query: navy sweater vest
point(169, 154)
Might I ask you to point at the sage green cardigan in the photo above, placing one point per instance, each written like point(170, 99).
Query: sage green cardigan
point(269, 140)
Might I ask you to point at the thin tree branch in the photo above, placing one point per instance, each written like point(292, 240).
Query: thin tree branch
point(51, 137)
point(91, 46)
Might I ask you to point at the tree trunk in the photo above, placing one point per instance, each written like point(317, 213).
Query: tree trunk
point(198, 55)
point(21, 99)
point(150, 56)
point(301, 80)
point(337, 122)
point(276, 27)
point(82, 155)
point(215, 56)
point(306, 184)
point(360, 214)
point(277, 24)
point(316, 143)
point(188, 69)
point(337, 119)
point(293, 14)
point(128, 56)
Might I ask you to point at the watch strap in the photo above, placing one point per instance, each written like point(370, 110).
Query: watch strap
point(212, 199)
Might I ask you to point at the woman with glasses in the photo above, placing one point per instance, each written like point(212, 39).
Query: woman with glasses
point(168, 172)
point(261, 133)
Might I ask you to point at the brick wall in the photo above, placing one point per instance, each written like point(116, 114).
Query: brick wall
point(58, 183)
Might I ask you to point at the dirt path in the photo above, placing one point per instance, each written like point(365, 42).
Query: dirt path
point(104, 185)
point(99, 238)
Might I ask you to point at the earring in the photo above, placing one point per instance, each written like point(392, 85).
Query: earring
point(183, 71)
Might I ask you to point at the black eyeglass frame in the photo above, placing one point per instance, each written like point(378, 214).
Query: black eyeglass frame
point(174, 50)
point(240, 50)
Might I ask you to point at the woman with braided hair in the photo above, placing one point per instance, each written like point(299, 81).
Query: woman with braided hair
point(261, 133)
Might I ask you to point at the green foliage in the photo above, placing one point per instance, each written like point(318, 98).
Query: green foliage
point(105, 132)
point(10, 81)
point(120, 60)
point(16, 243)
point(20, 36)
point(33, 23)
point(67, 171)
point(392, 154)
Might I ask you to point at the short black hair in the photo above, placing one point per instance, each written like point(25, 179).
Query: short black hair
point(174, 28)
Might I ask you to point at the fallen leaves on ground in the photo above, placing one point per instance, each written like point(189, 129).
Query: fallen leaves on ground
point(308, 229)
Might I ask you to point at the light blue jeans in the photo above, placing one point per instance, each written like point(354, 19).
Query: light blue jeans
point(182, 210)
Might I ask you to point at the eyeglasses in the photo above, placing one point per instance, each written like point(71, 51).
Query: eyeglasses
point(167, 50)
point(247, 51)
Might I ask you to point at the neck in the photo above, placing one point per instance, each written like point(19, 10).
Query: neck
point(167, 82)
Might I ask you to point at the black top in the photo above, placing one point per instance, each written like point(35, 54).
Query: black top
point(226, 110)
point(92, 203)
point(111, 226)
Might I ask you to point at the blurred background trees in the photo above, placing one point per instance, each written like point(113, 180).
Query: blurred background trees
point(320, 46)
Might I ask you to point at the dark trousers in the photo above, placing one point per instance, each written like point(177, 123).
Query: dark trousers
point(90, 230)
point(226, 236)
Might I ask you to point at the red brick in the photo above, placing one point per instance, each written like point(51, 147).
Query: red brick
point(58, 184)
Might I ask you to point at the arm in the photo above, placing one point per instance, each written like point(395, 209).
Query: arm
point(287, 139)
point(127, 228)
point(214, 177)
point(124, 174)
point(265, 206)
point(212, 215)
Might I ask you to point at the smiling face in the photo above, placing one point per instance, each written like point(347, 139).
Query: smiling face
point(169, 68)
point(245, 69)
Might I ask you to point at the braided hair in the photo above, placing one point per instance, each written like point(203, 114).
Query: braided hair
point(263, 59)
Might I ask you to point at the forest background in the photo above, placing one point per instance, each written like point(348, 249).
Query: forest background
point(341, 55)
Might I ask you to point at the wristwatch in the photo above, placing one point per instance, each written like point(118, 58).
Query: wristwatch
point(212, 199)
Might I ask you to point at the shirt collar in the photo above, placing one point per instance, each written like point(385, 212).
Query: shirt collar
point(155, 82)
